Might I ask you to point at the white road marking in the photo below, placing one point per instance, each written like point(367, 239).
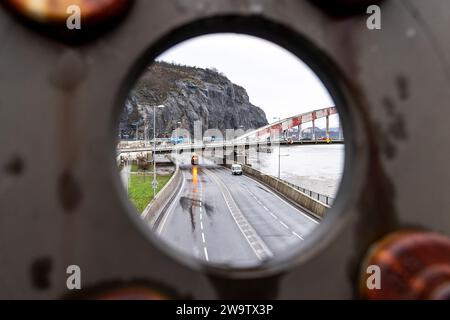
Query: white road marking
point(274, 216)
point(201, 225)
point(201, 216)
point(283, 224)
point(257, 244)
point(206, 253)
point(298, 236)
point(276, 195)
point(203, 237)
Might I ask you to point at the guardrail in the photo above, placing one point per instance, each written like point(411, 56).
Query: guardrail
point(316, 208)
point(289, 191)
point(318, 196)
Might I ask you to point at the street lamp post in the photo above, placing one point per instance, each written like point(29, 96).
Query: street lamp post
point(145, 130)
point(136, 125)
point(154, 182)
point(241, 127)
point(178, 130)
point(279, 150)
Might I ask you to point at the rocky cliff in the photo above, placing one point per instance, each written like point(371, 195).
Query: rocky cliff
point(189, 94)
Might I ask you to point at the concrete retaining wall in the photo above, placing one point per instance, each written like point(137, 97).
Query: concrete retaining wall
point(296, 196)
point(155, 210)
point(317, 208)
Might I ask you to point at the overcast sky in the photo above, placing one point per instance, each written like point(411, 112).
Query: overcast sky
point(275, 80)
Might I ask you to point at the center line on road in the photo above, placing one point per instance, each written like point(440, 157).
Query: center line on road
point(203, 237)
point(201, 225)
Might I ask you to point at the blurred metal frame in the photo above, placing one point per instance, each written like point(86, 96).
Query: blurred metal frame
point(61, 201)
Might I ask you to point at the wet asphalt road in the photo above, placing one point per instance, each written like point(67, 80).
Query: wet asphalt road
point(230, 220)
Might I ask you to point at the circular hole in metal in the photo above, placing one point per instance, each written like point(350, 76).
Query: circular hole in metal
point(203, 109)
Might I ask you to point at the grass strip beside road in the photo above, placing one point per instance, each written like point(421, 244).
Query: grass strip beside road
point(140, 190)
point(135, 168)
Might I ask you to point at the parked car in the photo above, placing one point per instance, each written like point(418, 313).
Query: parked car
point(236, 169)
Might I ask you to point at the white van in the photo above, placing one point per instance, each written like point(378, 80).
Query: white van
point(236, 169)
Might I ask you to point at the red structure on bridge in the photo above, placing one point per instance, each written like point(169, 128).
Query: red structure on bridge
point(283, 125)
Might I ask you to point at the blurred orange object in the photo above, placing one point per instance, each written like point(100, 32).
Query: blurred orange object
point(55, 11)
point(413, 264)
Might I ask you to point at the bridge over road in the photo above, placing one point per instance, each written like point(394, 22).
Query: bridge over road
point(260, 138)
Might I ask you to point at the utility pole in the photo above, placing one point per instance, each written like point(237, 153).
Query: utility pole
point(279, 158)
point(177, 133)
point(146, 129)
point(137, 130)
point(154, 182)
point(279, 149)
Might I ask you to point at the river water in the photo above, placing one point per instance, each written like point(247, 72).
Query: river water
point(315, 167)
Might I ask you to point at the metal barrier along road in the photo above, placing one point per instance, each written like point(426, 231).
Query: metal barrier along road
point(315, 195)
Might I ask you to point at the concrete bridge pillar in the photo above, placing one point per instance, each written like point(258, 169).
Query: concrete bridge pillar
point(224, 158)
point(257, 151)
point(245, 154)
point(224, 155)
point(328, 126)
point(313, 130)
point(241, 158)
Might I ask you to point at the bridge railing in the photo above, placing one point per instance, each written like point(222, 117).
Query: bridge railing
point(315, 195)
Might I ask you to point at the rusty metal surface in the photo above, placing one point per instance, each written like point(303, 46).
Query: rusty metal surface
point(415, 265)
point(50, 17)
point(48, 11)
point(60, 204)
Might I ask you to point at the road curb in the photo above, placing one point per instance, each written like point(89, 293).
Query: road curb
point(155, 210)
